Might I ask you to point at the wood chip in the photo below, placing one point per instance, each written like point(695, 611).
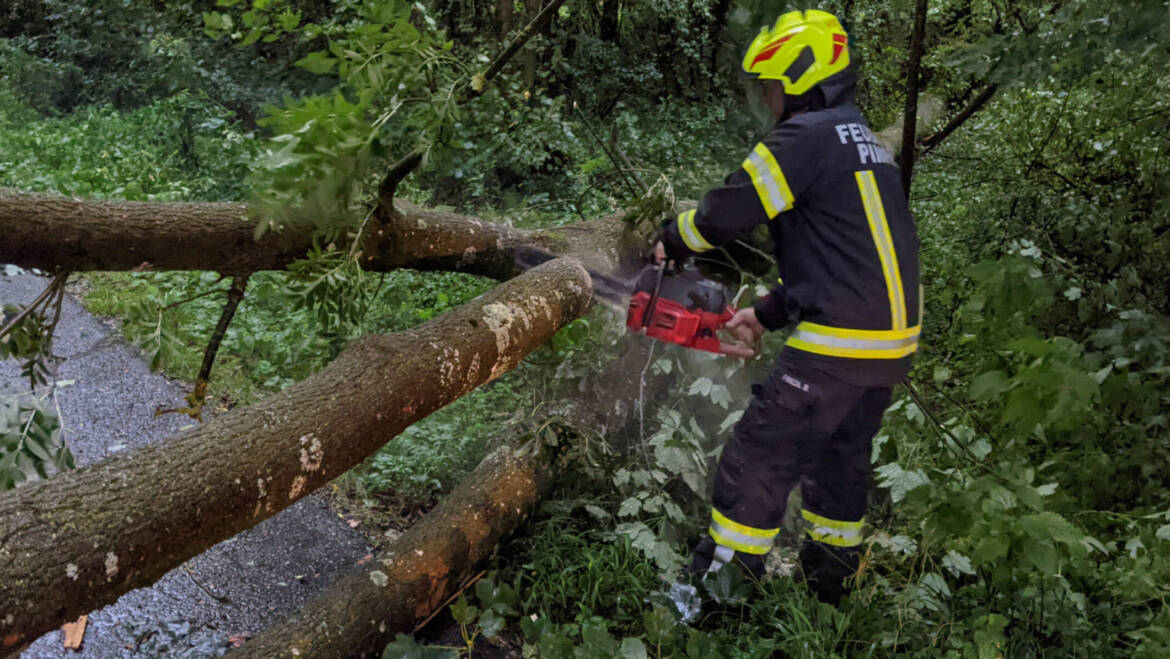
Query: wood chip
point(75, 633)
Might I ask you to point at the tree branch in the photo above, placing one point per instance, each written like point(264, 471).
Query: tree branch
point(910, 112)
point(48, 232)
point(480, 82)
point(52, 289)
point(928, 142)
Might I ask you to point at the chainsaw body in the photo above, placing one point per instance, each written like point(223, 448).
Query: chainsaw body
point(679, 306)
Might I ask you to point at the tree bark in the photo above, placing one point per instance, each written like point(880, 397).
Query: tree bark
point(504, 11)
point(910, 112)
point(609, 28)
point(714, 30)
point(78, 541)
point(363, 611)
point(50, 232)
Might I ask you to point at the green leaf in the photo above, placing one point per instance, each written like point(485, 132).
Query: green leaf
point(1049, 525)
point(462, 612)
point(720, 396)
point(598, 639)
point(899, 481)
point(491, 623)
point(630, 507)
point(632, 648)
point(289, 20)
point(730, 421)
point(1163, 532)
point(727, 585)
point(659, 624)
point(957, 563)
point(599, 513)
point(215, 23)
point(253, 36)
point(405, 647)
point(701, 387)
point(990, 549)
point(989, 385)
point(318, 62)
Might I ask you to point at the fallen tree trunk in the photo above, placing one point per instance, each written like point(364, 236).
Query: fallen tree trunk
point(78, 541)
point(50, 232)
point(363, 611)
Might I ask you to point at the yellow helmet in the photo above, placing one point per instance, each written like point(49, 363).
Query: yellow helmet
point(803, 49)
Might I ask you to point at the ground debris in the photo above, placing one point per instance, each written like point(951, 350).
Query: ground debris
point(75, 632)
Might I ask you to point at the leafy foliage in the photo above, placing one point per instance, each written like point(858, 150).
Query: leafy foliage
point(31, 445)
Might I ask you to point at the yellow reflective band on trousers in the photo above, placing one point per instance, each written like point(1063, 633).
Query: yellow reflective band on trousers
point(875, 213)
point(690, 233)
point(769, 181)
point(832, 531)
point(740, 537)
point(854, 343)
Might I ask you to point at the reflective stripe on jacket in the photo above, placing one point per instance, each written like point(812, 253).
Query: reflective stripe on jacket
point(844, 238)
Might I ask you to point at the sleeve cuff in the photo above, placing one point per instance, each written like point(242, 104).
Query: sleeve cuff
point(676, 249)
point(771, 310)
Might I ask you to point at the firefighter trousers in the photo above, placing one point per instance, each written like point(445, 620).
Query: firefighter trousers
point(802, 426)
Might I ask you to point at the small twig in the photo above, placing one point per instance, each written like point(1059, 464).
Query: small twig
point(527, 33)
point(198, 395)
point(613, 145)
point(625, 173)
point(979, 422)
point(477, 86)
point(454, 596)
point(219, 598)
point(938, 425)
point(200, 295)
point(234, 295)
point(642, 404)
point(756, 250)
point(928, 142)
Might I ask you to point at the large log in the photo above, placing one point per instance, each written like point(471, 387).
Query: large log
point(78, 541)
point(360, 613)
point(50, 232)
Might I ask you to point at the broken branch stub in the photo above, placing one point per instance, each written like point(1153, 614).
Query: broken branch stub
point(122, 523)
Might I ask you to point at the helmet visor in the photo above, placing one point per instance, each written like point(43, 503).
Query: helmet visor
point(753, 91)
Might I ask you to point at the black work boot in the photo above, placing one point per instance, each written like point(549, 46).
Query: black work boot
point(825, 569)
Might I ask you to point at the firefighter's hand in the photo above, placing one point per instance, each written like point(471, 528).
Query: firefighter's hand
point(659, 254)
point(745, 326)
point(747, 330)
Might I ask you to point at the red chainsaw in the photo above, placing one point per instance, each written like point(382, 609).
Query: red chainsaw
point(679, 305)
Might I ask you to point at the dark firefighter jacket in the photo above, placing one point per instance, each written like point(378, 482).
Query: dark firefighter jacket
point(845, 242)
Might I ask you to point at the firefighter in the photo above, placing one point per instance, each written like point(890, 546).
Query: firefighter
point(847, 251)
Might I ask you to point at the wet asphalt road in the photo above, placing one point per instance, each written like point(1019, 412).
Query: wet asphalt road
point(235, 588)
